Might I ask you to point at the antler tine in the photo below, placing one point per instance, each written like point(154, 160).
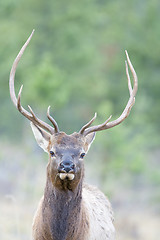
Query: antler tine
point(31, 116)
point(128, 78)
point(135, 79)
point(19, 107)
point(88, 124)
point(131, 101)
point(40, 122)
point(52, 120)
point(13, 70)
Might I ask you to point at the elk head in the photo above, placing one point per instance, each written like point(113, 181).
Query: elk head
point(66, 152)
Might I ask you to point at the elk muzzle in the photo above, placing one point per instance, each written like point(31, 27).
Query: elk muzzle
point(66, 170)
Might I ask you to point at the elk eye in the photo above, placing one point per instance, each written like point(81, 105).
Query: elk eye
point(52, 153)
point(82, 155)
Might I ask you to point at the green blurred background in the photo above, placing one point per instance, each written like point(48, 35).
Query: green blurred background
point(75, 63)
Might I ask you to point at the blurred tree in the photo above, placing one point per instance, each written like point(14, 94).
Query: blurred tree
point(75, 63)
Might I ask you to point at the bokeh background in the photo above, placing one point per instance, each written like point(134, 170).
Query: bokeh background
point(75, 63)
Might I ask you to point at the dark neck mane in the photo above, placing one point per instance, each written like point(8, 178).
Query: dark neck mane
point(62, 212)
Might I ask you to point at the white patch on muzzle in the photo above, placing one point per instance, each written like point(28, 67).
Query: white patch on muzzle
point(63, 176)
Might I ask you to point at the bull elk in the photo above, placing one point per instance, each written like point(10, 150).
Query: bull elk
point(69, 208)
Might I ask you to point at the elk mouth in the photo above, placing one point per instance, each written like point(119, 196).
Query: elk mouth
point(66, 176)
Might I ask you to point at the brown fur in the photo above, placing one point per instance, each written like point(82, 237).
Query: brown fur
point(63, 212)
point(61, 215)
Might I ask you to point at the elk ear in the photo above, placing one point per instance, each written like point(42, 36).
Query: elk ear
point(42, 137)
point(89, 139)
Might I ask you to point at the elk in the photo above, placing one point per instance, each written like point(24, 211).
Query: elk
point(69, 208)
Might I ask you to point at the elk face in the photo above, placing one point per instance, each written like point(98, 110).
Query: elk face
point(66, 154)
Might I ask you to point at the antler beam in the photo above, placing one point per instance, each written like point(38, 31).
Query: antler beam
point(17, 102)
point(85, 130)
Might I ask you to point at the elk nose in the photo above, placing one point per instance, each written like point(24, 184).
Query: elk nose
point(67, 166)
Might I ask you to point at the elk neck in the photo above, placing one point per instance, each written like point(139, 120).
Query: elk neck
point(63, 212)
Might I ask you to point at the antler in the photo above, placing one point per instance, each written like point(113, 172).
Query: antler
point(85, 130)
point(17, 102)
